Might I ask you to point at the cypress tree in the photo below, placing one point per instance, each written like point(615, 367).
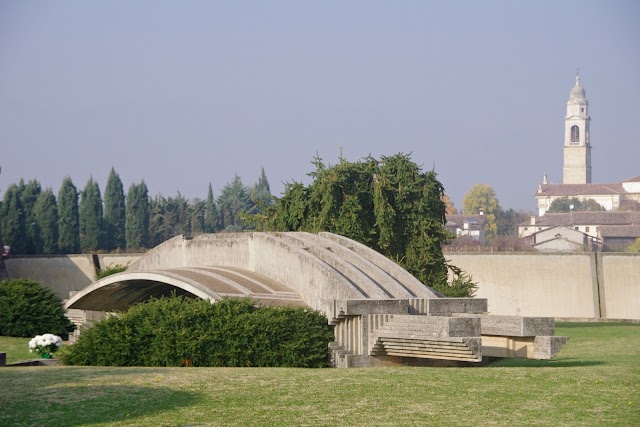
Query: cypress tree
point(210, 213)
point(69, 225)
point(157, 221)
point(46, 215)
point(196, 213)
point(90, 217)
point(28, 196)
point(137, 216)
point(261, 193)
point(13, 221)
point(114, 213)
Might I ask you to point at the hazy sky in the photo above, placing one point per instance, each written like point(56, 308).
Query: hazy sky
point(183, 93)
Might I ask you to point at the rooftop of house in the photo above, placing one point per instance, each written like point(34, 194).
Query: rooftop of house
point(568, 190)
point(459, 220)
point(628, 231)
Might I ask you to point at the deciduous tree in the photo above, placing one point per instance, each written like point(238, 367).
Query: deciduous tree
point(482, 197)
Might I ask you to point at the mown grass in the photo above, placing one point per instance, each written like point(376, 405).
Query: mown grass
point(595, 381)
point(16, 348)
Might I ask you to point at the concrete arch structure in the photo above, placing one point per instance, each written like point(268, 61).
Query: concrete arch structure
point(381, 313)
point(279, 268)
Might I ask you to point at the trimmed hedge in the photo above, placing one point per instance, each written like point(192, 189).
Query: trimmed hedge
point(28, 309)
point(179, 331)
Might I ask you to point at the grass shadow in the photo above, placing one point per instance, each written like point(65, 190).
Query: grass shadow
point(572, 325)
point(84, 405)
point(531, 363)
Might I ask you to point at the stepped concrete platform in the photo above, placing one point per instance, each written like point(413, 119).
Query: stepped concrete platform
point(382, 315)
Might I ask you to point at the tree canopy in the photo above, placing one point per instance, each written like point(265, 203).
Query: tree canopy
point(114, 213)
point(69, 223)
point(388, 204)
point(46, 215)
point(90, 215)
point(482, 197)
point(574, 204)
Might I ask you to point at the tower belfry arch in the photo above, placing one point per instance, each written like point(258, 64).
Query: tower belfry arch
point(577, 145)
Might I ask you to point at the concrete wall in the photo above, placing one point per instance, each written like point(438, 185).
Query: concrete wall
point(605, 286)
point(621, 291)
point(63, 273)
point(602, 286)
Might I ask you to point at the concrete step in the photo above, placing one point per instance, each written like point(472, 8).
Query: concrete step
point(425, 349)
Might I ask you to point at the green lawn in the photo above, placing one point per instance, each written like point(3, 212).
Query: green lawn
point(16, 348)
point(595, 381)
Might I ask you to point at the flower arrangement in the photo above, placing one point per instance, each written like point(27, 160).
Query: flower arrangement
point(45, 345)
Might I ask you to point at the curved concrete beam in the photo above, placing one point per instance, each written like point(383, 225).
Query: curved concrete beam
point(120, 291)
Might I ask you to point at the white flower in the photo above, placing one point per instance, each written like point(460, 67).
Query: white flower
point(47, 343)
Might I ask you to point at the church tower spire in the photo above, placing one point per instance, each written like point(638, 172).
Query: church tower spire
point(577, 147)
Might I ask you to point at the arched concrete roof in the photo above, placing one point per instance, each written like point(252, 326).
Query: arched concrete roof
point(272, 268)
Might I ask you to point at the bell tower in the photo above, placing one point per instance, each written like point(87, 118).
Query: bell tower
point(577, 146)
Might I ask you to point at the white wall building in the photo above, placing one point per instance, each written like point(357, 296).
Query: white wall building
point(576, 171)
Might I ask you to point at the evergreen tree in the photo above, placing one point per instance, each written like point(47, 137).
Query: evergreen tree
point(13, 221)
point(28, 196)
point(234, 201)
point(69, 223)
point(157, 227)
point(196, 215)
point(46, 216)
point(114, 213)
point(177, 217)
point(90, 217)
point(389, 205)
point(574, 204)
point(210, 213)
point(261, 192)
point(137, 216)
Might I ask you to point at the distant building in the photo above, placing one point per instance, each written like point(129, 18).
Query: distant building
point(611, 231)
point(609, 196)
point(576, 170)
point(467, 225)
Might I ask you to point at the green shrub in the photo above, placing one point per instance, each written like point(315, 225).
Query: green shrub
point(27, 309)
point(179, 331)
point(109, 270)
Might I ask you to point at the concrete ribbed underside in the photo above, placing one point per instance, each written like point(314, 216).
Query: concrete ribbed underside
point(291, 268)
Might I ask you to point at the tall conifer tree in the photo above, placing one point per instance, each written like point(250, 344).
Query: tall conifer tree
point(13, 221)
point(114, 213)
point(210, 213)
point(90, 217)
point(69, 223)
point(233, 201)
point(28, 196)
point(137, 216)
point(46, 215)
